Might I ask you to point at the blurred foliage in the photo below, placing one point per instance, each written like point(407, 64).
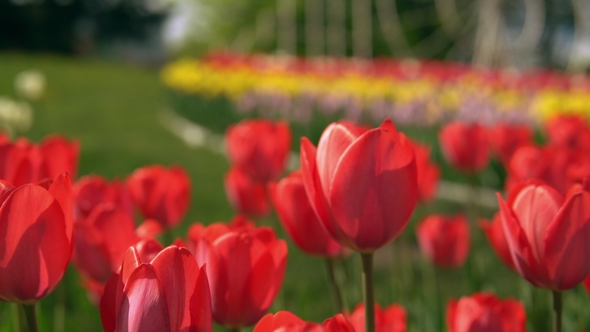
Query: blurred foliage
point(75, 26)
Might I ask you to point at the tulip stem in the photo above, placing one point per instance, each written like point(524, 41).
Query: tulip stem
point(368, 294)
point(337, 295)
point(16, 318)
point(235, 329)
point(557, 308)
point(29, 310)
point(59, 311)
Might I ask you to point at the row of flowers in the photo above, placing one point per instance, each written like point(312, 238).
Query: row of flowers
point(355, 192)
point(407, 91)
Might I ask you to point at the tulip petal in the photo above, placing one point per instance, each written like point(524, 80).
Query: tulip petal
point(262, 291)
point(34, 247)
point(61, 189)
point(335, 139)
point(116, 230)
point(270, 322)
point(179, 273)
point(314, 190)
point(374, 188)
point(535, 207)
point(338, 323)
point(566, 243)
point(520, 249)
point(143, 307)
point(299, 219)
point(109, 302)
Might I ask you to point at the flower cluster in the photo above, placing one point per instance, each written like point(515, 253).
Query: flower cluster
point(407, 91)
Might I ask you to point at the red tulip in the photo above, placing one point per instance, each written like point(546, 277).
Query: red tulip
point(246, 271)
point(161, 194)
point(299, 219)
point(484, 312)
point(284, 321)
point(246, 195)
point(92, 190)
point(21, 162)
point(149, 228)
point(391, 319)
point(201, 237)
point(465, 146)
point(168, 293)
point(101, 240)
point(558, 167)
point(274, 322)
point(444, 240)
point(494, 233)
point(547, 234)
point(338, 323)
point(36, 235)
point(259, 147)
point(363, 187)
point(569, 131)
point(59, 156)
point(428, 173)
point(506, 138)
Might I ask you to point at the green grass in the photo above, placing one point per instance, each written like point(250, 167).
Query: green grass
point(113, 110)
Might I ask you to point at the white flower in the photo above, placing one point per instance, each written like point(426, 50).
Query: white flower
point(30, 84)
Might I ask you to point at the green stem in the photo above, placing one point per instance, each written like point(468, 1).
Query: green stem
point(557, 308)
point(235, 329)
point(16, 318)
point(368, 293)
point(29, 310)
point(337, 295)
point(59, 311)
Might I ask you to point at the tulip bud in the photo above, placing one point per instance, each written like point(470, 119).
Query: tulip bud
point(444, 240)
point(485, 312)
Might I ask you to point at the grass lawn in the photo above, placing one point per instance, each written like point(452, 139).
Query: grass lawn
point(113, 110)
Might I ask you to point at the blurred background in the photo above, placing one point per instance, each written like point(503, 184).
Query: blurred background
point(91, 70)
point(523, 33)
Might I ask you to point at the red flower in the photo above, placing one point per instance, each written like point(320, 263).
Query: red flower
point(444, 240)
point(36, 223)
point(101, 240)
point(558, 167)
point(246, 195)
point(428, 173)
point(161, 194)
point(284, 321)
point(200, 237)
point(59, 156)
point(568, 131)
point(548, 234)
point(23, 162)
point(506, 138)
point(391, 319)
point(465, 146)
point(299, 219)
point(484, 312)
point(363, 187)
point(167, 293)
point(259, 147)
point(92, 190)
point(245, 270)
point(494, 233)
